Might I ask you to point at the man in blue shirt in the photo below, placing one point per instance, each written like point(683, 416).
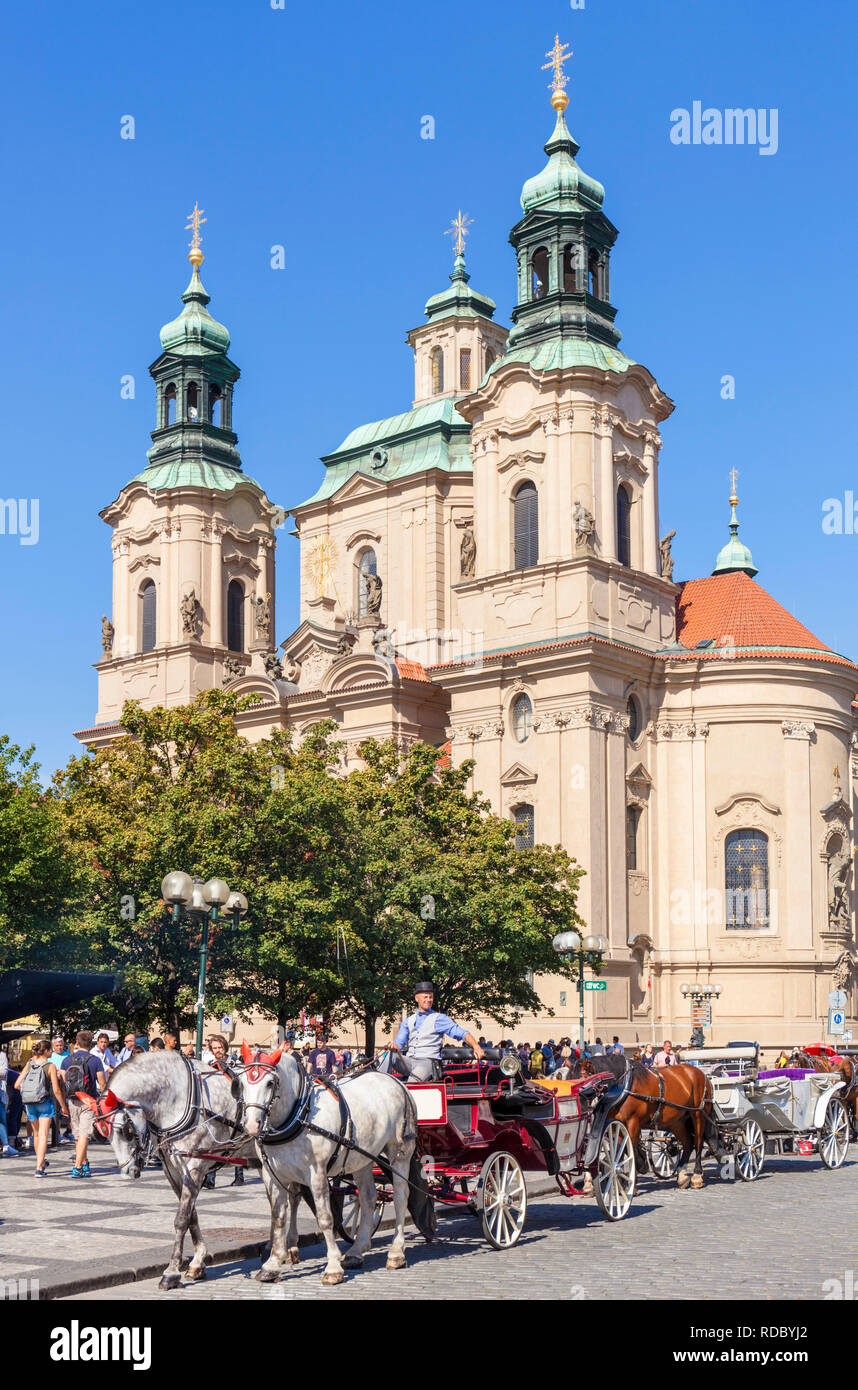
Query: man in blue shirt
point(417, 1048)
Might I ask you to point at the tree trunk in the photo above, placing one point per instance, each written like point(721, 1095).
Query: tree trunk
point(369, 1035)
point(282, 1012)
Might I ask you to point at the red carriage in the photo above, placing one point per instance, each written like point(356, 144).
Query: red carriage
point(482, 1127)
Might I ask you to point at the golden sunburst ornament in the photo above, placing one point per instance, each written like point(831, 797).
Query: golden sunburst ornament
point(321, 563)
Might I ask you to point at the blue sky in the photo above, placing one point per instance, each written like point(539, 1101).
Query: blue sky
point(301, 127)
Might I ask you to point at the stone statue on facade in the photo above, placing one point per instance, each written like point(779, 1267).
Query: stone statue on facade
point(273, 666)
point(382, 644)
point(665, 557)
point(262, 615)
point(839, 878)
point(106, 635)
point(189, 608)
point(232, 668)
point(345, 644)
point(468, 553)
point(374, 588)
point(842, 972)
point(584, 524)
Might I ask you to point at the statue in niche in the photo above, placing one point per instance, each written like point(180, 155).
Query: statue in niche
point(839, 878)
point(468, 553)
point(374, 588)
point(262, 615)
point(106, 635)
point(189, 607)
point(665, 557)
point(585, 527)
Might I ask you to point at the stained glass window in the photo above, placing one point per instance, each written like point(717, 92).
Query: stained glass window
point(524, 827)
point(746, 879)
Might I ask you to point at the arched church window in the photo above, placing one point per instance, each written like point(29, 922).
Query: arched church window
point(367, 566)
point(215, 407)
point(464, 369)
point(148, 615)
point(192, 400)
point(746, 879)
point(624, 526)
point(526, 526)
point(522, 718)
point(633, 710)
point(235, 616)
point(524, 827)
point(539, 274)
point(569, 276)
point(437, 371)
point(490, 358)
point(593, 273)
point(633, 816)
point(170, 404)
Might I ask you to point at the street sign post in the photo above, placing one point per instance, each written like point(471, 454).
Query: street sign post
point(701, 1014)
point(837, 999)
point(836, 1022)
point(595, 984)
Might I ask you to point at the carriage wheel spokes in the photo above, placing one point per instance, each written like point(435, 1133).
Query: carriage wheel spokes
point(615, 1178)
point(750, 1151)
point(502, 1200)
point(664, 1154)
point(834, 1134)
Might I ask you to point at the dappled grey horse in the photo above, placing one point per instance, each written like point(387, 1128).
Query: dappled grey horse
point(307, 1133)
point(192, 1112)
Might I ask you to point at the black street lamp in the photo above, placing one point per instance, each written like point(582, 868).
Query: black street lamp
point(590, 951)
point(201, 902)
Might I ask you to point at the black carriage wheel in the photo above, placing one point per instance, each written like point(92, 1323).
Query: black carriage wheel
point(345, 1210)
point(834, 1134)
point(616, 1171)
point(502, 1200)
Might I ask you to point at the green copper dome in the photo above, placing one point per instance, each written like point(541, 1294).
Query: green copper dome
point(562, 183)
point(734, 555)
point(194, 330)
point(460, 300)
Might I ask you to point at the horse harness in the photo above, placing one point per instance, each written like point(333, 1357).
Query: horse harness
point(662, 1104)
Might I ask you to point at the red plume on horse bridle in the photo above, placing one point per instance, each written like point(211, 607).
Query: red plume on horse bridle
point(258, 1063)
point(104, 1109)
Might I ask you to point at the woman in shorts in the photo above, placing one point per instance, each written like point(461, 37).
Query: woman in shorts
point(41, 1113)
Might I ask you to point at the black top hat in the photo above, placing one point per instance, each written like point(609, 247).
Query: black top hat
point(424, 987)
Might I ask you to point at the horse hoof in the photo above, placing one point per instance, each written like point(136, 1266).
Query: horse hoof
point(697, 1180)
point(267, 1276)
point(194, 1276)
point(683, 1181)
point(587, 1190)
point(170, 1281)
point(353, 1262)
point(395, 1262)
point(333, 1278)
point(294, 1255)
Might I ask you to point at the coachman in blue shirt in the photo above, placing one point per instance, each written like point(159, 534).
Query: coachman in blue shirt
point(416, 1050)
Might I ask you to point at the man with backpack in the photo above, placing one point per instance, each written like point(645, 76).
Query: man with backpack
point(36, 1082)
point(82, 1071)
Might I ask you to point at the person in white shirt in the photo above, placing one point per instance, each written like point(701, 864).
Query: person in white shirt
point(127, 1051)
point(103, 1053)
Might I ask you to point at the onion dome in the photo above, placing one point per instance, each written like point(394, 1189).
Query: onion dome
point(194, 330)
point(562, 184)
point(734, 555)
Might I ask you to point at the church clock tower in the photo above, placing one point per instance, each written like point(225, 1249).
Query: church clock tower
point(193, 535)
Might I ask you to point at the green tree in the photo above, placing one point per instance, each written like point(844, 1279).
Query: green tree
point(438, 887)
point(186, 791)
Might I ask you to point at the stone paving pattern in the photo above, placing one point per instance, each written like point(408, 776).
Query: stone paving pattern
point(779, 1237)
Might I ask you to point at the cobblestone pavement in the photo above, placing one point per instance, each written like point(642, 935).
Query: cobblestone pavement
point(778, 1237)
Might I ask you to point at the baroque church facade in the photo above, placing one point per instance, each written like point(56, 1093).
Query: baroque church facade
point(485, 571)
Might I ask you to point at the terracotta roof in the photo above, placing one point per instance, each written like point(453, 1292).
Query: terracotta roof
point(734, 613)
point(411, 670)
point(445, 758)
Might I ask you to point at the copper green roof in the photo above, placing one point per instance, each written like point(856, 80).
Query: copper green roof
point(193, 472)
point(562, 185)
point(559, 352)
point(734, 555)
point(459, 300)
point(194, 330)
point(431, 436)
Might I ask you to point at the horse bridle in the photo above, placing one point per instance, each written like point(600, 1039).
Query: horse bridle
point(297, 1118)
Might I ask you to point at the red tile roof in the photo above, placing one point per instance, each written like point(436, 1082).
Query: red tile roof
point(411, 670)
point(733, 611)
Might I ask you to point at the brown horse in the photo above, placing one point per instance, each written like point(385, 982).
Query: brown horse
point(677, 1099)
point(844, 1067)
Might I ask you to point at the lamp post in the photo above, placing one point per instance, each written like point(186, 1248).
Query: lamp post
point(201, 902)
point(700, 994)
point(569, 946)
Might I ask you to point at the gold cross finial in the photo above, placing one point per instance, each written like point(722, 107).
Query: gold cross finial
point(195, 219)
point(557, 56)
point(733, 475)
point(460, 226)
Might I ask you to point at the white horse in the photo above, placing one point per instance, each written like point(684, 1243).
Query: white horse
point(193, 1112)
point(297, 1127)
